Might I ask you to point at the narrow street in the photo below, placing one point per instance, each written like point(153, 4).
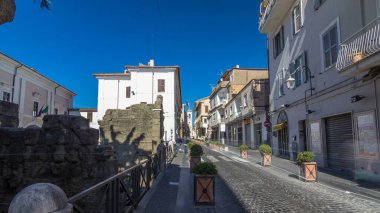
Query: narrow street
point(268, 189)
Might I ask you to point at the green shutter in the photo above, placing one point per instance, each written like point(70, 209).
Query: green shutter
point(305, 67)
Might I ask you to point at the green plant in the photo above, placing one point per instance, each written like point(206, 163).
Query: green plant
point(189, 145)
point(305, 156)
point(196, 150)
point(243, 148)
point(265, 149)
point(205, 168)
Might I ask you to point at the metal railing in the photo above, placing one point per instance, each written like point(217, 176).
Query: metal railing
point(360, 45)
point(264, 15)
point(121, 192)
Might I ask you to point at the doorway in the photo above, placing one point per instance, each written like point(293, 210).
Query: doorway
point(258, 135)
point(283, 136)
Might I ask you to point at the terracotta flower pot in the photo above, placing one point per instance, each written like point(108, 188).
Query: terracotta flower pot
point(204, 189)
point(194, 161)
point(266, 160)
point(357, 57)
point(308, 171)
point(244, 154)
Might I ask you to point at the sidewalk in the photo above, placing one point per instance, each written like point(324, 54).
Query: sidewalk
point(174, 193)
point(324, 177)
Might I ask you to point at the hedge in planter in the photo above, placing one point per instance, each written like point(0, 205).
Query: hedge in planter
point(195, 155)
point(308, 168)
point(266, 152)
point(204, 184)
point(189, 145)
point(244, 151)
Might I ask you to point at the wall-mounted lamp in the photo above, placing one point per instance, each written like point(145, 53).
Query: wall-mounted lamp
point(309, 111)
point(284, 105)
point(356, 98)
point(133, 92)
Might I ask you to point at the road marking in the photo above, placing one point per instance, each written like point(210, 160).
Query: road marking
point(239, 159)
point(174, 183)
point(224, 158)
point(212, 158)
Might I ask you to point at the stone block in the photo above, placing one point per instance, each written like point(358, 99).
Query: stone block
point(64, 122)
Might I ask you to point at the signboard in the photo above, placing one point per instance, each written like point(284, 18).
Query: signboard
point(222, 127)
point(366, 134)
point(315, 134)
point(267, 124)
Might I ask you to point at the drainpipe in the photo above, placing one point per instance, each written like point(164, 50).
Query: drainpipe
point(55, 93)
point(14, 82)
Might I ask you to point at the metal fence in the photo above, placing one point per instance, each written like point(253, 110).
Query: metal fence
point(360, 45)
point(121, 192)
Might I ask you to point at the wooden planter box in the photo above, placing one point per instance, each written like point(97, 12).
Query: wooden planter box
point(244, 154)
point(194, 161)
point(204, 190)
point(308, 171)
point(266, 160)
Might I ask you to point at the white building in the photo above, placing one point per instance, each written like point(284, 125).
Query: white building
point(142, 84)
point(32, 91)
point(189, 114)
point(324, 59)
point(91, 114)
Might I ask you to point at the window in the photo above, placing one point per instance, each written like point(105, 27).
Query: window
point(128, 92)
point(330, 46)
point(278, 42)
point(205, 120)
point(161, 85)
point(318, 3)
point(56, 111)
point(230, 110)
point(206, 108)
point(89, 116)
point(297, 19)
point(245, 100)
point(6, 96)
point(35, 108)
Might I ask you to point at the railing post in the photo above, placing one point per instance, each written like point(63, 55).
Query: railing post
point(149, 172)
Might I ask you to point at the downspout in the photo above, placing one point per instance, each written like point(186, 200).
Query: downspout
point(55, 93)
point(14, 82)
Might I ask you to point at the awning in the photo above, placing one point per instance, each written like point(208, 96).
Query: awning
point(279, 126)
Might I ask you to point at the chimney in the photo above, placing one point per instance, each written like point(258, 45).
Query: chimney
point(151, 63)
point(237, 66)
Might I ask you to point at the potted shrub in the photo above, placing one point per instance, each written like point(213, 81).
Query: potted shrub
point(244, 151)
point(204, 183)
point(195, 155)
point(308, 168)
point(266, 153)
point(189, 145)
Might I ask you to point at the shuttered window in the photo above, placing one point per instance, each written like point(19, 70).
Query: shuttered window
point(206, 108)
point(278, 42)
point(128, 92)
point(161, 85)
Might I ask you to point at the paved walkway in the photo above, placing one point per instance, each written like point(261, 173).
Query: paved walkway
point(174, 192)
point(324, 177)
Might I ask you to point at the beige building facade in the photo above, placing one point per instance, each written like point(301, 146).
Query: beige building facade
point(324, 82)
point(201, 108)
point(35, 94)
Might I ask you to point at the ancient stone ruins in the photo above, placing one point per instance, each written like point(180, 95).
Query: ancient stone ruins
point(66, 151)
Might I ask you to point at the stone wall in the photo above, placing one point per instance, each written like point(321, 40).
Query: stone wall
point(134, 132)
point(64, 152)
point(8, 114)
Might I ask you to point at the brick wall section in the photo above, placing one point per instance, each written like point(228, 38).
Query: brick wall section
point(64, 152)
point(134, 132)
point(8, 114)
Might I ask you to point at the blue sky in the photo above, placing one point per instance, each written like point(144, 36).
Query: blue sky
point(77, 38)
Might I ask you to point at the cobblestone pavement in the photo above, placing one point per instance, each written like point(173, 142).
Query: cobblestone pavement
point(262, 189)
point(167, 194)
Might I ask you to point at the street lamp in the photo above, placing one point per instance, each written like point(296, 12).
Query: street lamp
point(291, 83)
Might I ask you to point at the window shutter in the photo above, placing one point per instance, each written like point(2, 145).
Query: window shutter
point(304, 65)
point(128, 92)
point(292, 69)
point(161, 85)
point(282, 38)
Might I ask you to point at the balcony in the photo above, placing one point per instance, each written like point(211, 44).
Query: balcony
point(357, 54)
point(272, 13)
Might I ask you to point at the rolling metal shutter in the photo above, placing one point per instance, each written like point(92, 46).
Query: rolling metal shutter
point(340, 146)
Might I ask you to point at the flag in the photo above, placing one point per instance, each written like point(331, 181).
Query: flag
point(44, 109)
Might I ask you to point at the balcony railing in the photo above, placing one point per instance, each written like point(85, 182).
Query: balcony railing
point(359, 46)
point(265, 8)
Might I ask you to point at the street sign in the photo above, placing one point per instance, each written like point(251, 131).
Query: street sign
point(267, 124)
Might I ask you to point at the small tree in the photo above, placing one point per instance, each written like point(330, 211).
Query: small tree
point(8, 9)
